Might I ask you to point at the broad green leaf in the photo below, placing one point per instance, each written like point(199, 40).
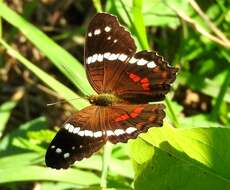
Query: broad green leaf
point(194, 158)
point(65, 62)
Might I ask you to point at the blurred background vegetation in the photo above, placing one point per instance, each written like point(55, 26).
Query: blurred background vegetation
point(41, 61)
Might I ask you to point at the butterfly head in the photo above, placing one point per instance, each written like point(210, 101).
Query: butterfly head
point(104, 99)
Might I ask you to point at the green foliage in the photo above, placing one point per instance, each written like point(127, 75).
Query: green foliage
point(183, 158)
point(194, 155)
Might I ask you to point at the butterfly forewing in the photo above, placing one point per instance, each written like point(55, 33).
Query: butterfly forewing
point(80, 137)
point(147, 77)
point(106, 42)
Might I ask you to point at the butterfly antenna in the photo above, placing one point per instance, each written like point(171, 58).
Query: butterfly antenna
point(62, 101)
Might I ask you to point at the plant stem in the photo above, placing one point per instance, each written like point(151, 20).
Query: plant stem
point(220, 97)
point(97, 5)
point(175, 121)
point(105, 163)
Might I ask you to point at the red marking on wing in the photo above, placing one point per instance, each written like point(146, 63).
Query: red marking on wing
point(140, 124)
point(164, 74)
point(145, 86)
point(134, 77)
point(145, 80)
point(133, 115)
point(122, 117)
point(152, 119)
point(136, 112)
point(138, 109)
point(156, 70)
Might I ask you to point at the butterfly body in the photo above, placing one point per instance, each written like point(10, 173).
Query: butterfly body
point(104, 99)
point(126, 81)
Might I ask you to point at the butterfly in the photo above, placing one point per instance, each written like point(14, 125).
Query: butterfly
point(125, 81)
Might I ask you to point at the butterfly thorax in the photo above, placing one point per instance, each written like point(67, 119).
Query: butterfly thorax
point(104, 99)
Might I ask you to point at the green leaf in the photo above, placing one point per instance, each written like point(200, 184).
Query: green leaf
point(6, 144)
point(18, 168)
point(139, 23)
point(155, 12)
point(194, 158)
point(65, 62)
point(5, 112)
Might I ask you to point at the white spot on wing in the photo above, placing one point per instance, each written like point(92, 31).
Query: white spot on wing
point(76, 130)
point(118, 132)
point(97, 31)
point(97, 134)
point(133, 60)
point(141, 62)
point(151, 64)
point(109, 38)
point(115, 41)
point(66, 126)
point(71, 128)
point(66, 155)
point(106, 55)
point(73, 147)
point(100, 57)
point(109, 133)
point(107, 28)
point(130, 130)
point(52, 146)
point(94, 58)
point(88, 133)
point(89, 60)
point(58, 150)
point(122, 57)
point(90, 34)
point(81, 133)
point(113, 56)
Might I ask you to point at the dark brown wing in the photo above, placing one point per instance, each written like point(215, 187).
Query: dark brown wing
point(80, 137)
point(146, 77)
point(89, 129)
point(112, 65)
point(128, 121)
point(106, 39)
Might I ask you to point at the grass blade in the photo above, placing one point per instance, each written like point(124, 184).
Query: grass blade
point(65, 62)
point(62, 90)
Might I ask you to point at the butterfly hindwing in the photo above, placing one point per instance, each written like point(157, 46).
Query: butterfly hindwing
point(85, 133)
point(128, 121)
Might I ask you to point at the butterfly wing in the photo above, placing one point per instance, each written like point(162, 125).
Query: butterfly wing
point(147, 77)
point(80, 137)
point(128, 121)
point(113, 66)
point(88, 130)
point(105, 40)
